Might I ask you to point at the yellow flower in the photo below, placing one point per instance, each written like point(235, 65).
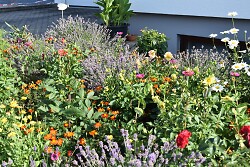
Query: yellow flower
point(23, 98)
point(32, 122)
point(1, 130)
point(152, 54)
point(109, 137)
point(173, 76)
point(209, 80)
point(4, 120)
point(227, 98)
point(11, 134)
point(168, 56)
point(29, 117)
point(2, 106)
point(22, 112)
point(13, 104)
point(25, 119)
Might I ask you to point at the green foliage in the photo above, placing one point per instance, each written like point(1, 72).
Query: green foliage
point(115, 12)
point(151, 39)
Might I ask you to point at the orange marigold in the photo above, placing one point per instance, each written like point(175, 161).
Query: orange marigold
point(97, 125)
point(66, 124)
point(156, 86)
point(167, 79)
point(38, 82)
point(153, 79)
point(113, 117)
point(105, 115)
point(53, 132)
point(115, 112)
point(82, 141)
point(68, 134)
point(69, 153)
point(59, 141)
point(100, 109)
point(47, 137)
point(93, 133)
point(98, 88)
point(48, 150)
point(54, 142)
point(30, 110)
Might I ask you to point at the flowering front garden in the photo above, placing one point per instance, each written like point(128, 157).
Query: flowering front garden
point(75, 97)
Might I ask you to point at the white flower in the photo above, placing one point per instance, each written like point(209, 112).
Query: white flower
point(233, 44)
point(233, 30)
point(168, 56)
point(232, 14)
point(217, 88)
point(243, 65)
point(221, 64)
point(213, 35)
point(225, 83)
point(237, 66)
point(225, 32)
point(245, 31)
point(247, 69)
point(226, 39)
point(152, 54)
point(217, 80)
point(243, 51)
point(62, 6)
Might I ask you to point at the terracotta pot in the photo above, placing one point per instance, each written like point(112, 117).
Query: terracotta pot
point(131, 37)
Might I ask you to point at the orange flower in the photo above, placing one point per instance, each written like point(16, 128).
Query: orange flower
point(68, 134)
point(109, 109)
point(26, 91)
point(98, 88)
point(158, 91)
point(167, 79)
point(69, 153)
point(156, 86)
point(53, 138)
point(66, 124)
point(47, 137)
point(83, 86)
point(48, 150)
point(153, 79)
point(97, 125)
point(23, 127)
point(60, 142)
point(106, 103)
point(54, 142)
point(115, 112)
point(32, 85)
point(93, 133)
point(53, 132)
point(100, 109)
point(30, 110)
point(38, 82)
point(105, 115)
point(113, 117)
point(24, 86)
point(82, 80)
point(62, 52)
point(90, 90)
point(82, 141)
point(248, 110)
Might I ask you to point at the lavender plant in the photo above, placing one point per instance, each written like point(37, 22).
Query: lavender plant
point(132, 153)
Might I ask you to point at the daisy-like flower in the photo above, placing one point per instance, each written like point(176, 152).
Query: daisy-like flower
point(233, 44)
point(233, 30)
point(243, 65)
point(209, 80)
point(14, 104)
point(221, 64)
point(232, 14)
point(213, 35)
point(217, 88)
point(247, 69)
point(237, 66)
point(225, 83)
point(168, 56)
point(226, 39)
point(225, 32)
point(152, 54)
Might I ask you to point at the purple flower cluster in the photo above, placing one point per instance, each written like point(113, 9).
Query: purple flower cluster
point(131, 154)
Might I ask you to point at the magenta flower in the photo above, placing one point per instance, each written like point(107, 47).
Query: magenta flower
point(119, 33)
point(173, 61)
point(235, 74)
point(54, 156)
point(188, 73)
point(140, 76)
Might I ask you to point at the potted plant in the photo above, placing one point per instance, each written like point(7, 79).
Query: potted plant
point(115, 15)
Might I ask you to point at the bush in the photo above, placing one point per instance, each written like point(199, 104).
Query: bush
point(152, 40)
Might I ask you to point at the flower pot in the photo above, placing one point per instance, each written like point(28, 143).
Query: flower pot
point(122, 29)
point(131, 37)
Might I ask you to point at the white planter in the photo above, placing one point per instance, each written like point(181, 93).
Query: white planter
point(206, 8)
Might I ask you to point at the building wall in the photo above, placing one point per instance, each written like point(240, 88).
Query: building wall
point(175, 25)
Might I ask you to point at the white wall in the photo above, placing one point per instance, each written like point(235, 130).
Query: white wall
point(207, 8)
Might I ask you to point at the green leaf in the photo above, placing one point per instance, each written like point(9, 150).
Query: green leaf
point(74, 112)
point(87, 102)
point(90, 113)
point(139, 111)
point(43, 108)
point(90, 94)
point(97, 115)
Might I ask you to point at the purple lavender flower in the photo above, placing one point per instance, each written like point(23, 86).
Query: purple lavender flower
point(44, 164)
point(32, 162)
point(152, 157)
point(4, 164)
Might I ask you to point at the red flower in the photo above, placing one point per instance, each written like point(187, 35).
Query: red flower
point(245, 132)
point(62, 52)
point(182, 138)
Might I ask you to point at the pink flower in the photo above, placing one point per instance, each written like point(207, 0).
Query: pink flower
point(62, 52)
point(140, 76)
point(173, 61)
point(182, 138)
point(54, 156)
point(28, 43)
point(188, 73)
point(119, 33)
point(235, 74)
